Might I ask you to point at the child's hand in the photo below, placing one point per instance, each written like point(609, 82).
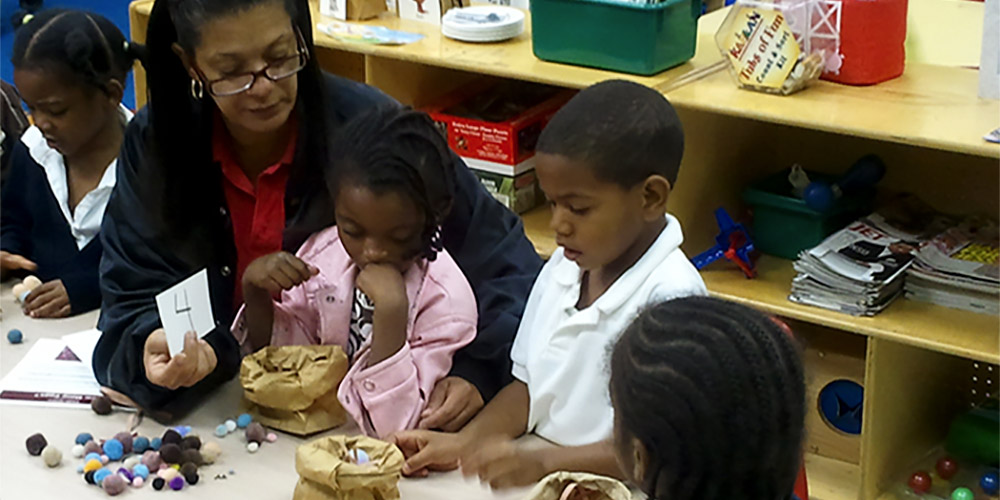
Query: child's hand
point(383, 284)
point(276, 272)
point(428, 451)
point(453, 402)
point(12, 262)
point(503, 464)
point(186, 369)
point(49, 300)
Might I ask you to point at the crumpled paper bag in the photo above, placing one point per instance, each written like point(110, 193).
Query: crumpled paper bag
point(326, 471)
point(294, 388)
point(360, 10)
point(556, 486)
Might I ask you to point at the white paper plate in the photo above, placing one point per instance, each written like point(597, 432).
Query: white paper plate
point(483, 23)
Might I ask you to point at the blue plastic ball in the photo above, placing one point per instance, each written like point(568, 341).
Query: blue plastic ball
point(100, 475)
point(83, 438)
point(990, 483)
point(155, 443)
point(819, 196)
point(140, 445)
point(140, 471)
point(243, 420)
point(15, 336)
point(114, 449)
point(92, 456)
point(221, 430)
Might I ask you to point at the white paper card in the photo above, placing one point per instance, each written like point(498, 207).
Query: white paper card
point(336, 9)
point(427, 11)
point(989, 64)
point(186, 307)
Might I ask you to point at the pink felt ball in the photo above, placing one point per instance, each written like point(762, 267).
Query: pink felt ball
point(105, 459)
point(272, 437)
point(137, 482)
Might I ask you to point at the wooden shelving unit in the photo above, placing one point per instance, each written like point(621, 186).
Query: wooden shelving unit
point(927, 126)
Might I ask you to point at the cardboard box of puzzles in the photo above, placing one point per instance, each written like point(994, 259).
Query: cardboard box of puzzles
point(494, 127)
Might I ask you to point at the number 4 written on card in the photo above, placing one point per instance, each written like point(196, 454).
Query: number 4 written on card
point(186, 307)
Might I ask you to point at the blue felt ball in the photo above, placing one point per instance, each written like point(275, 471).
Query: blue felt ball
point(221, 430)
point(92, 456)
point(140, 445)
point(183, 430)
point(15, 336)
point(140, 471)
point(990, 483)
point(114, 449)
point(100, 475)
point(83, 438)
point(155, 444)
point(79, 469)
point(243, 420)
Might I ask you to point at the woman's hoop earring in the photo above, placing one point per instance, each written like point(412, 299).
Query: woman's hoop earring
point(197, 89)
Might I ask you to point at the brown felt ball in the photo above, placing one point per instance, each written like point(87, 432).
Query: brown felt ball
point(191, 443)
point(35, 444)
point(188, 469)
point(125, 438)
point(171, 453)
point(92, 447)
point(191, 456)
point(113, 484)
point(256, 433)
point(101, 405)
point(151, 459)
point(172, 437)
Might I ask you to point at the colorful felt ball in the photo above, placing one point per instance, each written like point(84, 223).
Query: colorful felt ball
point(244, 420)
point(272, 437)
point(168, 473)
point(183, 430)
point(140, 445)
point(100, 475)
point(105, 459)
point(170, 453)
point(920, 482)
point(15, 336)
point(155, 444)
point(101, 405)
point(140, 471)
point(77, 451)
point(83, 437)
point(210, 452)
point(152, 460)
point(92, 465)
point(221, 430)
point(138, 482)
point(191, 443)
point(51, 456)
point(946, 467)
point(89, 477)
point(172, 437)
point(191, 456)
point(990, 483)
point(92, 447)
point(127, 474)
point(125, 438)
point(131, 462)
point(79, 469)
point(962, 494)
point(177, 483)
point(256, 433)
point(231, 425)
point(114, 449)
point(35, 444)
point(114, 484)
point(158, 483)
point(92, 456)
point(252, 447)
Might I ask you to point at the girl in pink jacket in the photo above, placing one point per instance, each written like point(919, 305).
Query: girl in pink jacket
point(378, 283)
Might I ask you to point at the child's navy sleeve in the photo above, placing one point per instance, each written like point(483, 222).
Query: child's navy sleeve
point(81, 279)
point(15, 217)
point(488, 242)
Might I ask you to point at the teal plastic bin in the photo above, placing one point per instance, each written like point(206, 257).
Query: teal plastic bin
point(637, 38)
point(784, 226)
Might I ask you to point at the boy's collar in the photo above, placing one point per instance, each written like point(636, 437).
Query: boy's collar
point(568, 274)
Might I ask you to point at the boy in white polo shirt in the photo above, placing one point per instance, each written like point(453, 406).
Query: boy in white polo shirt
point(607, 162)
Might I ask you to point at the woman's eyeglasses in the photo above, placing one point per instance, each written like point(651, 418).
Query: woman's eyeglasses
point(274, 71)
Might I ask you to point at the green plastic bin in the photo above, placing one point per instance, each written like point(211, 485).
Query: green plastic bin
point(637, 38)
point(784, 226)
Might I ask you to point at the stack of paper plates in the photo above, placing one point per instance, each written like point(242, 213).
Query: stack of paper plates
point(482, 23)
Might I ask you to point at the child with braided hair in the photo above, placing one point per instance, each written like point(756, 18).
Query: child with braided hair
point(69, 68)
point(709, 402)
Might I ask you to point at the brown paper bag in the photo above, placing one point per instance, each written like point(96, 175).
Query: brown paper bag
point(359, 10)
point(578, 486)
point(326, 471)
point(294, 388)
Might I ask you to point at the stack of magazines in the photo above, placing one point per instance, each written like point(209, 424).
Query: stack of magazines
point(860, 269)
point(958, 268)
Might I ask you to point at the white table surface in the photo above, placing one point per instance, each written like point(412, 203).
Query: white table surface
point(267, 474)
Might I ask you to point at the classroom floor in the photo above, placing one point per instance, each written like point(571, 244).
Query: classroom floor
point(115, 10)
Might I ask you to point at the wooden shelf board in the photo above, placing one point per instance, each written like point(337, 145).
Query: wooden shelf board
point(929, 106)
point(832, 479)
point(941, 329)
point(951, 331)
